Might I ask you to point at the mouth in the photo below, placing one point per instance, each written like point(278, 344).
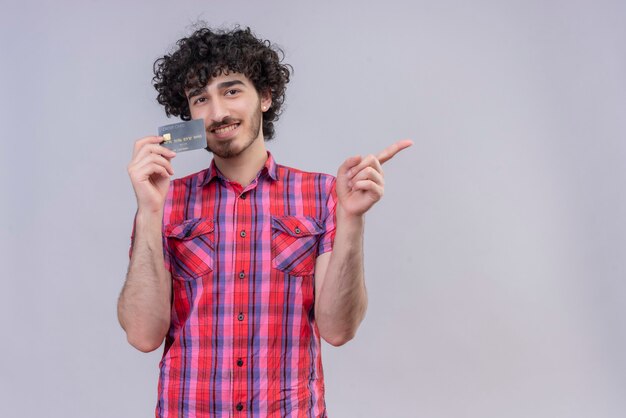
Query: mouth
point(224, 130)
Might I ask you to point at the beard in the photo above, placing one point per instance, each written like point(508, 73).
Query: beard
point(229, 148)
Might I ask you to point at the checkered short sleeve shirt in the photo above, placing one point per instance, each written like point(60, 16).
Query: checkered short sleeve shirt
point(243, 341)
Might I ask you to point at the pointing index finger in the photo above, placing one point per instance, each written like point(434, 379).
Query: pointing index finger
point(388, 153)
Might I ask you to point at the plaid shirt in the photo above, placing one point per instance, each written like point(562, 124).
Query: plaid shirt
point(243, 341)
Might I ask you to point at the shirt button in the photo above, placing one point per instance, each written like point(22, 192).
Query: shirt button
point(239, 406)
point(240, 316)
point(240, 362)
point(297, 230)
point(242, 275)
point(243, 196)
point(242, 234)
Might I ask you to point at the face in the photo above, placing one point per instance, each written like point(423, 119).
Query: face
point(232, 112)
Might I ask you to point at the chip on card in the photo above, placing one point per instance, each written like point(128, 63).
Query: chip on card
point(184, 136)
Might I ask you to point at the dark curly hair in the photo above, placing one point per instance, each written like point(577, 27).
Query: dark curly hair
point(208, 53)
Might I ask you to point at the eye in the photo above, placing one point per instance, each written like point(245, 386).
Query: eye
point(199, 100)
point(231, 92)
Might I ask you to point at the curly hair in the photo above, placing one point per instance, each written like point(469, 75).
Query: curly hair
point(206, 54)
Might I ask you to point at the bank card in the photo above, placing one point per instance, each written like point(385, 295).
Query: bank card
point(184, 136)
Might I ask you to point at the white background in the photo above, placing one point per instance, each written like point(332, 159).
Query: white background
point(495, 262)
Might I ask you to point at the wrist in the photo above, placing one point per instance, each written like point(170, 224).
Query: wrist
point(346, 218)
point(147, 216)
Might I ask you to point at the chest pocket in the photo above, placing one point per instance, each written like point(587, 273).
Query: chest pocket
point(294, 244)
point(192, 247)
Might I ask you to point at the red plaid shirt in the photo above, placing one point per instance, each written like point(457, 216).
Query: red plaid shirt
point(243, 341)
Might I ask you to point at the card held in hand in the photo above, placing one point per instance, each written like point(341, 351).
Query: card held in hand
point(184, 136)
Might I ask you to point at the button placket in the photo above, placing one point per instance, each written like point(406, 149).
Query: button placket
point(245, 233)
point(243, 228)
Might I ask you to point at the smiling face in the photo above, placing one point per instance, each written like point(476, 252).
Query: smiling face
point(232, 112)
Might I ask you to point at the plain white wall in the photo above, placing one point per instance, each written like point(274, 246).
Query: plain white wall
point(495, 263)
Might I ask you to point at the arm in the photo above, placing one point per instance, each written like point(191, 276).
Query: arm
point(144, 304)
point(341, 297)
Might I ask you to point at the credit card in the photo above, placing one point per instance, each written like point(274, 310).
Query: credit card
point(184, 136)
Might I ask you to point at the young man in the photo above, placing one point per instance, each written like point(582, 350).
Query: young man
point(242, 267)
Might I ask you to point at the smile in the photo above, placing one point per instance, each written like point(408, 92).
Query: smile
point(225, 129)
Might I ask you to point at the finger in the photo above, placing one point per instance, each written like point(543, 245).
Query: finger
point(151, 161)
point(160, 171)
point(348, 164)
point(154, 149)
point(141, 143)
point(160, 161)
point(368, 173)
point(376, 190)
point(388, 153)
point(368, 161)
point(141, 174)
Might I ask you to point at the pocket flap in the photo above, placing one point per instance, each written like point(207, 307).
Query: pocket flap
point(297, 226)
point(189, 228)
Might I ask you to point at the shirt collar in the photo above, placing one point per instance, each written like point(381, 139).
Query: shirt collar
point(270, 169)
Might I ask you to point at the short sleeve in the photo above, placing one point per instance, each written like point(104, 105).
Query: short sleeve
point(328, 237)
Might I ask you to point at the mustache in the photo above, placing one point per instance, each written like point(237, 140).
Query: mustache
point(224, 122)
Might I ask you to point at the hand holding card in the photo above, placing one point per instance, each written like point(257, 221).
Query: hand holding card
point(184, 136)
point(150, 170)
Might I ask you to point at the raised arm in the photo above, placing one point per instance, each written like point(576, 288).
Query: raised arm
point(144, 305)
point(341, 297)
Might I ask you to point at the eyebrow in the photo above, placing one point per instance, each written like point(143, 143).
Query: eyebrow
point(223, 85)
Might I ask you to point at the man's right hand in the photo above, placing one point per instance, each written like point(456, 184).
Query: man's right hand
point(150, 171)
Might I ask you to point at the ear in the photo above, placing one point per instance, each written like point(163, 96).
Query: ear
point(266, 100)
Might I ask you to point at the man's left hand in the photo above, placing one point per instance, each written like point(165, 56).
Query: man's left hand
point(360, 180)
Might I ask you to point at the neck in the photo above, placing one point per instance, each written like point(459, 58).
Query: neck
point(244, 167)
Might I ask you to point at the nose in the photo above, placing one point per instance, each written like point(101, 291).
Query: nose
point(218, 110)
